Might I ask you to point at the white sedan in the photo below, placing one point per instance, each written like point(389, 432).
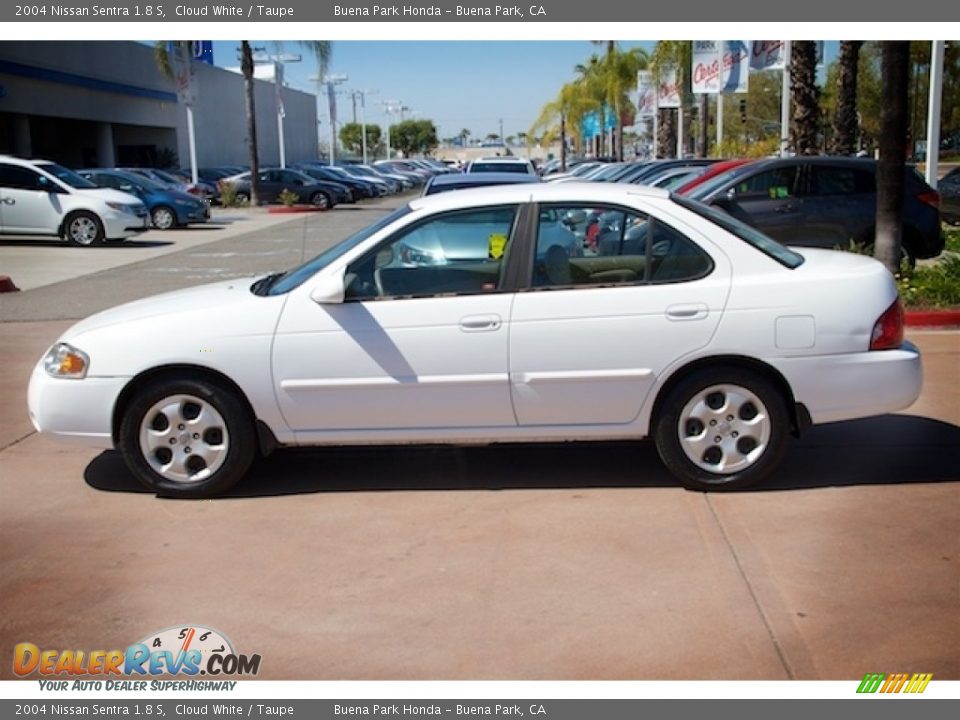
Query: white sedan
point(675, 321)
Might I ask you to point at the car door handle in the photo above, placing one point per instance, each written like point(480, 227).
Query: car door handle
point(687, 311)
point(480, 323)
point(9, 201)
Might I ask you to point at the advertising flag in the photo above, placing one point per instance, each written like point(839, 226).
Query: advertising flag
point(668, 87)
point(767, 55)
point(705, 67)
point(646, 94)
point(736, 66)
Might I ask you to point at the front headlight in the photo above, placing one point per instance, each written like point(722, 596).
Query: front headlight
point(123, 207)
point(65, 361)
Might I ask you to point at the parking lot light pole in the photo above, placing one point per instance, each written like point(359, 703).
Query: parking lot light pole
point(331, 81)
point(363, 119)
point(785, 101)
point(390, 107)
point(278, 63)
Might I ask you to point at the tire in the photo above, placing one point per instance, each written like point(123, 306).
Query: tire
point(83, 228)
point(722, 429)
point(242, 198)
point(163, 217)
point(187, 438)
point(320, 200)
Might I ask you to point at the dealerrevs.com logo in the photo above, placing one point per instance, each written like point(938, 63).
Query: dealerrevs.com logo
point(894, 683)
point(182, 650)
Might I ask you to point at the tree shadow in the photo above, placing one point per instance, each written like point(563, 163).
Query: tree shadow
point(891, 449)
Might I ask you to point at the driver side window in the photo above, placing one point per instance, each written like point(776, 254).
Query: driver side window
point(458, 253)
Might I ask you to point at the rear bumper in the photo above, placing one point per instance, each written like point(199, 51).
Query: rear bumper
point(848, 386)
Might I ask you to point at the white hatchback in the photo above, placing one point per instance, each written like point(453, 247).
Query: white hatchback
point(38, 197)
point(671, 320)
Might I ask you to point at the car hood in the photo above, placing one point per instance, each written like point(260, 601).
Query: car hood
point(109, 195)
point(205, 298)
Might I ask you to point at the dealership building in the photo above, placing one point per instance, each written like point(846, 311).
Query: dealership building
point(103, 104)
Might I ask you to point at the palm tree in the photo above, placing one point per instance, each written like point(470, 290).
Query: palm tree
point(806, 97)
point(895, 69)
point(618, 77)
point(464, 134)
point(680, 54)
point(561, 115)
point(845, 123)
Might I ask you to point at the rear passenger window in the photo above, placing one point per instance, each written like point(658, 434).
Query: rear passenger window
point(773, 184)
point(579, 245)
point(841, 181)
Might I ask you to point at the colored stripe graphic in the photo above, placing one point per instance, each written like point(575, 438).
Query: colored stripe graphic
point(894, 683)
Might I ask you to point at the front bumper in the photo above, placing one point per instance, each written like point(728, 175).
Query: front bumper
point(75, 411)
point(855, 385)
point(193, 215)
point(117, 225)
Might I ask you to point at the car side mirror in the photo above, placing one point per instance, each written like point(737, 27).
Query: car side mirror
point(329, 290)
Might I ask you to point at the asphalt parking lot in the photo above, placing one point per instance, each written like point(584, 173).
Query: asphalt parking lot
point(575, 561)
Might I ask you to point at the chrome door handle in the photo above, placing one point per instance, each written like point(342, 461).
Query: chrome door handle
point(688, 311)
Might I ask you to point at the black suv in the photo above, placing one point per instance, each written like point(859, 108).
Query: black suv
point(823, 202)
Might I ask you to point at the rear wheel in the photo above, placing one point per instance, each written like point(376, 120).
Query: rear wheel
point(242, 198)
point(722, 428)
point(187, 438)
point(83, 228)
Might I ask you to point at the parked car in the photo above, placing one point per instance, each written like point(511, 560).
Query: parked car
point(273, 181)
point(576, 173)
point(175, 181)
point(823, 202)
point(463, 181)
point(710, 172)
point(501, 164)
point(359, 188)
point(386, 184)
point(716, 341)
point(42, 198)
point(644, 172)
point(949, 188)
point(168, 208)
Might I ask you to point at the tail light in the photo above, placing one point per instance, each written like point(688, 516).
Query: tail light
point(888, 330)
point(931, 198)
point(195, 190)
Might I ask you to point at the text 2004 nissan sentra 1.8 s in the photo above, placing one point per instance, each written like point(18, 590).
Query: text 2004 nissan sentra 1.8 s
point(520, 313)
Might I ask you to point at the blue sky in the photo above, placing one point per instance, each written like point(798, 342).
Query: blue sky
point(456, 84)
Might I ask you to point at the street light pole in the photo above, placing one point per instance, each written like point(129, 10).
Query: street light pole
point(331, 81)
point(363, 120)
point(278, 63)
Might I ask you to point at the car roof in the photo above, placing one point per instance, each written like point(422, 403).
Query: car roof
point(491, 178)
point(574, 192)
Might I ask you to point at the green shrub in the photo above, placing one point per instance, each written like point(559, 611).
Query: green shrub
point(228, 193)
point(288, 198)
point(933, 286)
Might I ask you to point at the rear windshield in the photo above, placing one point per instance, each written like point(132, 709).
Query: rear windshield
point(750, 235)
point(499, 167)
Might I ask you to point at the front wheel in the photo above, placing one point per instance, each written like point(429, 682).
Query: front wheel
point(320, 200)
point(84, 228)
point(722, 429)
point(163, 218)
point(187, 438)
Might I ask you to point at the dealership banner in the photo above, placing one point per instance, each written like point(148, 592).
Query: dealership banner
point(668, 87)
point(705, 67)
point(646, 94)
point(736, 66)
point(767, 55)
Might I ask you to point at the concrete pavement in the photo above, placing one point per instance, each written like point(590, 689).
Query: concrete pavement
point(580, 561)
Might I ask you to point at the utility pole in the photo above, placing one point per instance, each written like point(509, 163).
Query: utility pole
point(363, 121)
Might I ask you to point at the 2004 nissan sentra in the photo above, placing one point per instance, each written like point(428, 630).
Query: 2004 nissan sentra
point(521, 313)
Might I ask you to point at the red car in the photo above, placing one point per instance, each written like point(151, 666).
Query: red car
point(712, 171)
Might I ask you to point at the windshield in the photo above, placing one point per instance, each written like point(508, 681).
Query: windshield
point(294, 278)
point(67, 176)
point(141, 180)
point(750, 235)
point(708, 187)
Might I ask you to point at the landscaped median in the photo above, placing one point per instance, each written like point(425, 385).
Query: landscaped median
point(931, 291)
